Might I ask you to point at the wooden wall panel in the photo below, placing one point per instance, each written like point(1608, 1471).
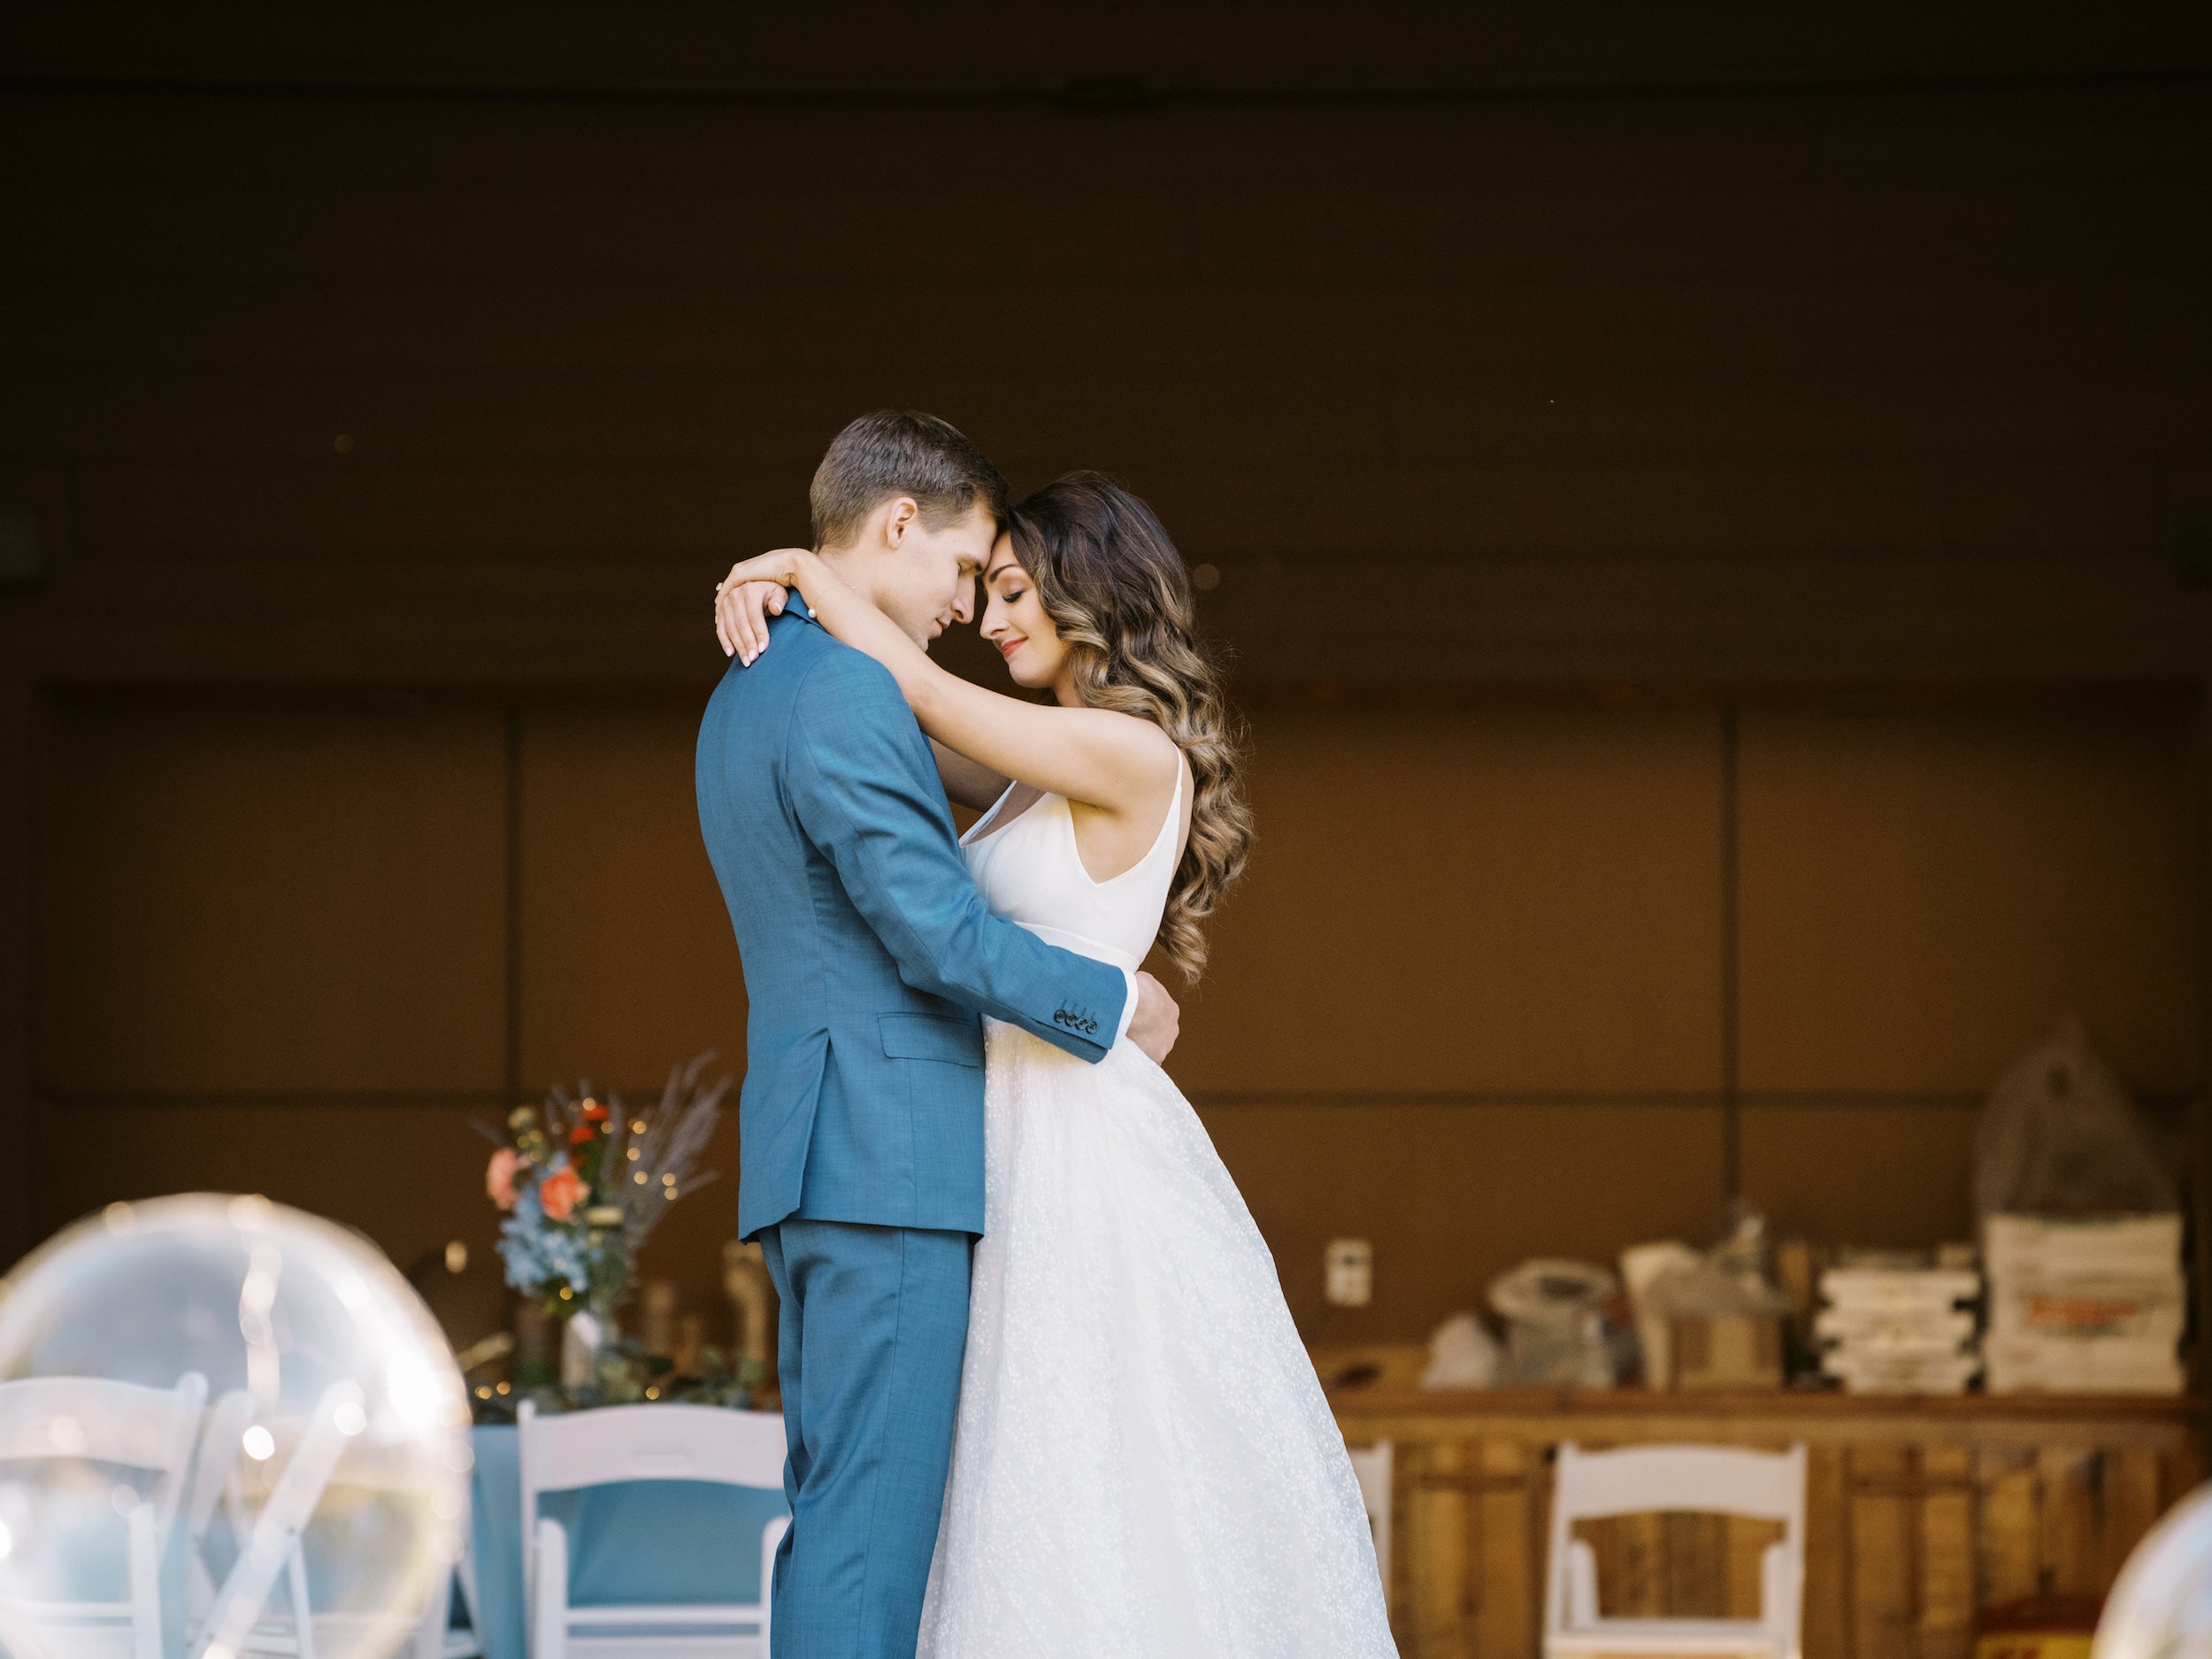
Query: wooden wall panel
point(1492, 900)
point(1228, 48)
point(1453, 1196)
point(1925, 893)
point(254, 902)
point(1894, 1173)
point(1656, 328)
point(411, 1176)
point(1712, 391)
point(629, 963)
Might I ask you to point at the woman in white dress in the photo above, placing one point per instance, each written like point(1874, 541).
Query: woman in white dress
point(1144, 1463)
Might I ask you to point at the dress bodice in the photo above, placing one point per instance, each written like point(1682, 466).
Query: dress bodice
point(1031, 871)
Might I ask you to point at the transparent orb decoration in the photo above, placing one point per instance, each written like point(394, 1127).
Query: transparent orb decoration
point(225, 1426)
point(2161, 1605)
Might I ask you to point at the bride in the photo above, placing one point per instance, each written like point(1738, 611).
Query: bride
point(1144, 1463)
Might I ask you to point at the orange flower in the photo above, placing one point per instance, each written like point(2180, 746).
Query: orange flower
point(561, 1192)
point(499, 1180)
point(580, 1133)
point(593, 1112)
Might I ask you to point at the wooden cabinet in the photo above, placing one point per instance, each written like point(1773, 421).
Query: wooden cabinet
point(1920, 1511)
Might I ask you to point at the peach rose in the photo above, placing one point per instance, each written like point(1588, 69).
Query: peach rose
point(499, 1180)
point(561, 1192)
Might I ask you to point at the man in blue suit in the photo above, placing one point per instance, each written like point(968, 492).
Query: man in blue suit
point(869, 955)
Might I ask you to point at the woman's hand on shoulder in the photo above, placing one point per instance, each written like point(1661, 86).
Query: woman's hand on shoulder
point(749, 594)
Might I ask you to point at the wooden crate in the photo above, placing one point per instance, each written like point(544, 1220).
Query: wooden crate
point(1919, 1511)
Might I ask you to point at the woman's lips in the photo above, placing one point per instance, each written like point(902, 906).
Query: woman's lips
point(1007, 648)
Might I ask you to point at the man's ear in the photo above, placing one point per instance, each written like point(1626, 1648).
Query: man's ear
point(899, 516)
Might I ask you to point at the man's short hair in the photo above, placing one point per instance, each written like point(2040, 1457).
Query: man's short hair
point(901, 452)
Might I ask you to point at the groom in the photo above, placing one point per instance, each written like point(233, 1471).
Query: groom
point(868, 955)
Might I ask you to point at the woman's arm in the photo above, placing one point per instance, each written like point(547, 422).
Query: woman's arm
point(1114, 761)
point(968, 782)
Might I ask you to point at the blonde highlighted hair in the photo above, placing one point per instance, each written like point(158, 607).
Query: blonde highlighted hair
point(1115, 589)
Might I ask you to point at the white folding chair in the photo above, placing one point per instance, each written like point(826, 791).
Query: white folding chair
point(215, 1488)
point(435, 1637)
point(1674, 1479)
point(1372, 1465)
point(654, 1442)
point(234, 1616)
point(216, 1484)
point(93, 1420)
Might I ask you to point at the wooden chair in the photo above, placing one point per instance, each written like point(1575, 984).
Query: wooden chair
point(1371, 1466)
point(91, 1419)
point(1674, 1479)
point(654, 1442)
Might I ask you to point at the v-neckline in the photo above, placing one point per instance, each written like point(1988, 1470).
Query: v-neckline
point(990, 824)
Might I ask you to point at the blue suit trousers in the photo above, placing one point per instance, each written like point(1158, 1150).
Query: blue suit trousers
point(869, 1339)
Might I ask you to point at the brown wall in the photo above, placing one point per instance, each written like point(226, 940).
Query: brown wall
point(1578, 417)
point(1473, 1003)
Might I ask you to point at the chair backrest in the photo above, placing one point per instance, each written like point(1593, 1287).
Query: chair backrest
point(124, 1424)
point(651, 1442)
point(220, 1449)
point(1679, 1479)
point(318, 1441)
point(221, 1446)
point(654, 1442)
point(1704, 1479)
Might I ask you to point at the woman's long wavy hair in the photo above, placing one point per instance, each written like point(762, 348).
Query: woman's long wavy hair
point(1115, 589)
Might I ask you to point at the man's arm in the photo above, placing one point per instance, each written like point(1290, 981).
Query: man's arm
point(861, 781)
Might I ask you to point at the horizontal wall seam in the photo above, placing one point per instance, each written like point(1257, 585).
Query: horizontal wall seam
point(1098, 95)
point(2156, 1100)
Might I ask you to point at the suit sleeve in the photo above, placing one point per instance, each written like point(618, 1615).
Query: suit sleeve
point(862, 782)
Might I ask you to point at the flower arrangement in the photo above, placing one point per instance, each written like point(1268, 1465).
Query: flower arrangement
point(584, 1182)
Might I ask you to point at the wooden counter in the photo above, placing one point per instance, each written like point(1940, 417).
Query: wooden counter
point(1919, 1510)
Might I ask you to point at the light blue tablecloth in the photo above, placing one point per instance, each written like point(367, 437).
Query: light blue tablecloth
point(661, 1541)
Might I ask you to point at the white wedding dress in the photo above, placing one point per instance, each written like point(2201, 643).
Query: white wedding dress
point(1145, 1467)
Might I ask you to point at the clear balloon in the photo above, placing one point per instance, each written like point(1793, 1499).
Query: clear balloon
point(2161, 1605)
point(225, 1428)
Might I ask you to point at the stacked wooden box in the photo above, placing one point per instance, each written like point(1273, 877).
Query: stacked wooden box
point(2084, 1306)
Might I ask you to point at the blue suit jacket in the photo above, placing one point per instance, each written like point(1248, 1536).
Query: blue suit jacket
point(867, 949)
